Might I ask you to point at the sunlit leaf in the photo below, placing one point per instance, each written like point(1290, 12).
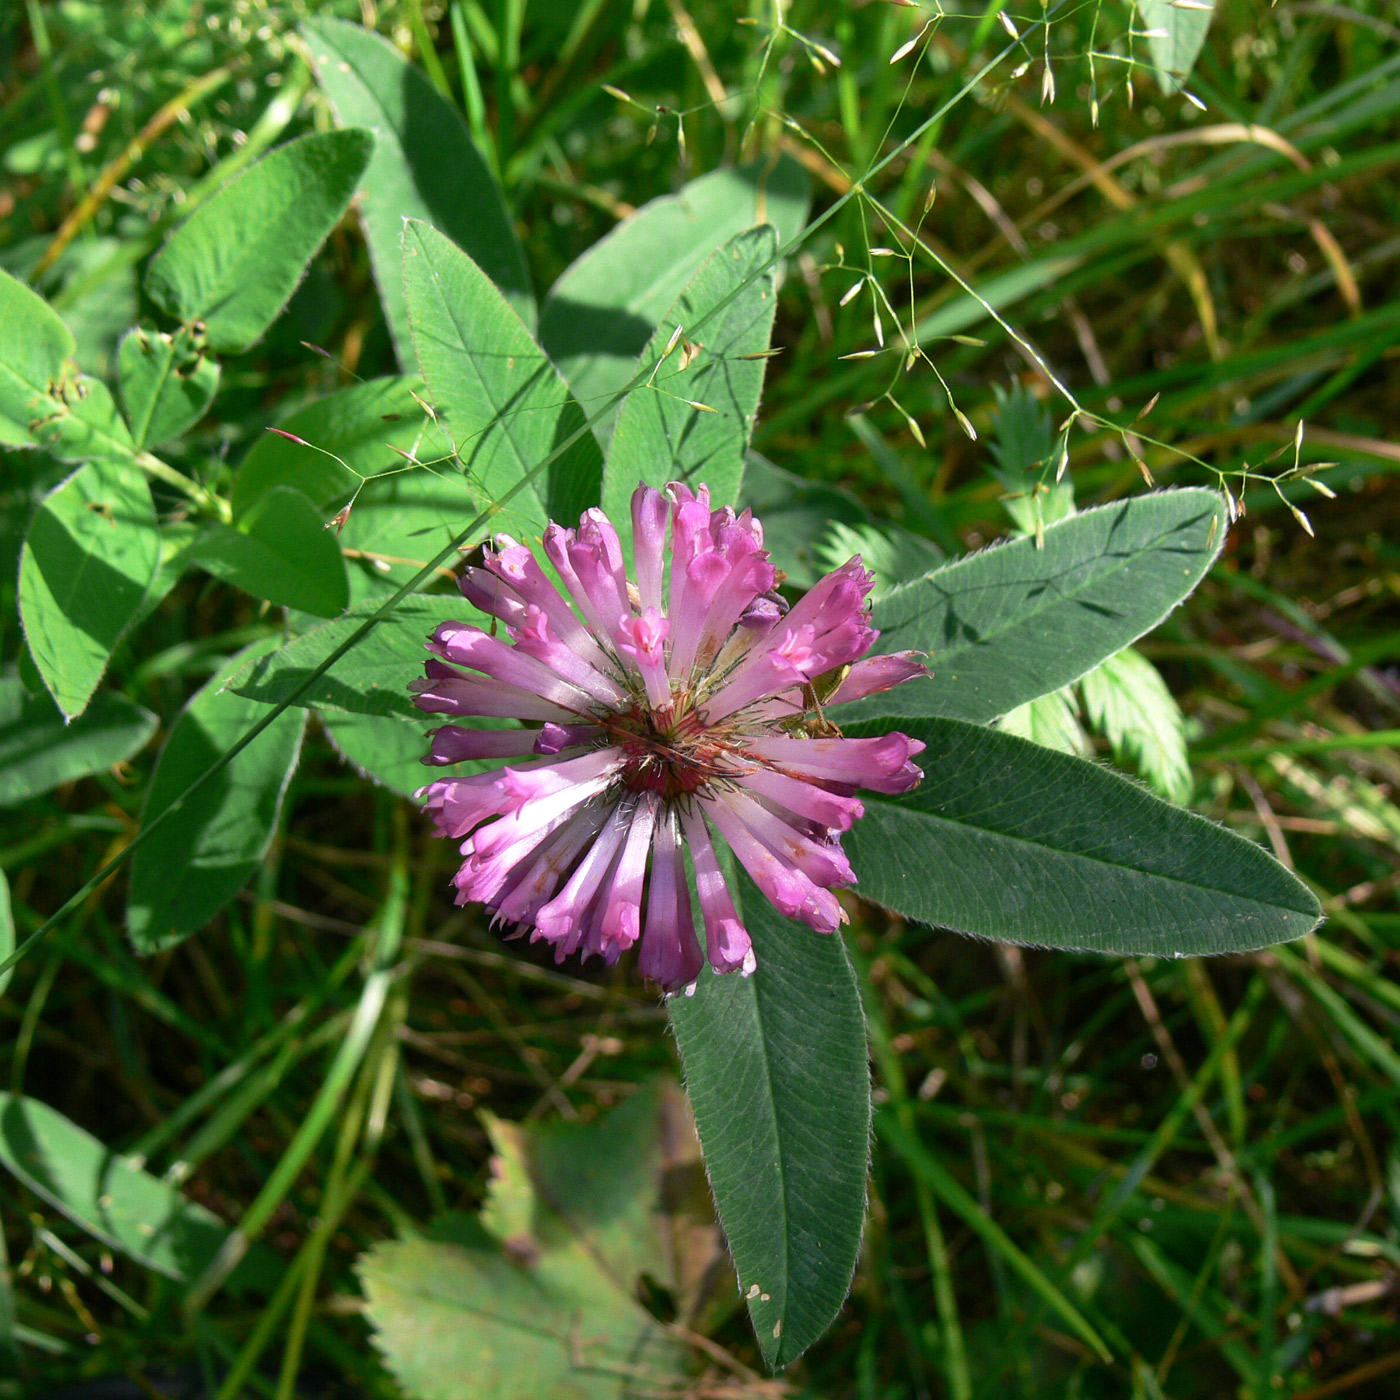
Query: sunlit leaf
point(281, 550)
point(1019, 620)
point(1005, 839)
point(602, 311)
point(33, 350)
point(91, 550)
point(661, 435)
point(776, 1070)
point(425, 166)
point(107, 1195)
point(195, 862)
point(500, 400)
point(166, 384)
point(233, 264)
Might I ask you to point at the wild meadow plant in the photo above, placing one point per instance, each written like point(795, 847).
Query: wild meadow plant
point(687, 697)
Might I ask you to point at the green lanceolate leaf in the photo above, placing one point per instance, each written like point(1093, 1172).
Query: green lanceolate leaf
point(601, 313)
point(195, 862)
point(33, 350)
point(372, 678)
point(775, 1065)
point(39, 750)
point(91, 550)
point(538, 1296)
point(403, 510)
point(104, 1193)
point(280, 550)
point(1018, 621)
point(1177, 35)
point(425, 166)
point(661, 434)
point(796, 514)
point(1005, 839)
point(498, 397)
point(238, 258)
point(166, 384)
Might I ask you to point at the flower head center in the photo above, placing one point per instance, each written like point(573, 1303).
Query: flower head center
point(670, 752)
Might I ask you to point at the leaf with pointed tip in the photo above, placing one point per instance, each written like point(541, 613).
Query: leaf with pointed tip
point(194, 863)
point(497, 396)
point(661, 436)
point(425, 166)
point(1017, 621)
point(280, 550)
point(39, 750)
point(1005, 839)
point(776, 1069)
point(166, 384)
point(90, 553)
point(602, 311)
point(235, 262)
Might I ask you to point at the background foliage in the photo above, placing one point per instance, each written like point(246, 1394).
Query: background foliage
point(1186, 1167)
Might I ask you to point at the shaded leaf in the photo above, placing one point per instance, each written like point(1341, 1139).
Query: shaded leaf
point(33, 350)
point(538, 1297)
point(166, 384)
point(104, 1193)
point(1017, 621)
point(39, 750)
point(372, 678)
point(1022, 440)
point(425, 166)
point(892, 554)
point(660, 436)
point(776, 1070)
point(193, 864)
point(1005, 839)
point(91, 550)
point(237, 259)
point(500, 400)
point(796, 513)
point(280, 550)
point(602, 311)
point(385, 749)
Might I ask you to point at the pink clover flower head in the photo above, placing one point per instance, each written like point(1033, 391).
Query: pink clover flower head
point(664, 715)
